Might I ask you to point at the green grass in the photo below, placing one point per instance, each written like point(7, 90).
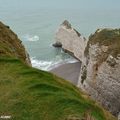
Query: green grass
point(106, 37)
point(30, 94)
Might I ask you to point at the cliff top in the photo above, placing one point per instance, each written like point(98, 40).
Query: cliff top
point(106, 37)
point(67, 24)
point(11, 45)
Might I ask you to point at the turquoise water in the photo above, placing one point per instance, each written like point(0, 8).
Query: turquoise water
point(36, 23)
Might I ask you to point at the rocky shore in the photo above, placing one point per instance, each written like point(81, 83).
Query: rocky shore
point(68, 71)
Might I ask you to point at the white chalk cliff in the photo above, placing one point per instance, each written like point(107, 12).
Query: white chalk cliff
point(100, 57)
point(71, 40)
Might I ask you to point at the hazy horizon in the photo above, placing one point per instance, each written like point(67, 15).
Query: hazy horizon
point(62, 4)
point(36, 22)
point(84, 9)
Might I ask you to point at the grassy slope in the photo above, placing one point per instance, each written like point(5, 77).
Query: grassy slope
point(30, 94)
point(10, 44)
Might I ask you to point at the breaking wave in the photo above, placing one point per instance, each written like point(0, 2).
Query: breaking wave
point(48, 65)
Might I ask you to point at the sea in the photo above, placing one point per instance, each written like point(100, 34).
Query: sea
point(36, 23)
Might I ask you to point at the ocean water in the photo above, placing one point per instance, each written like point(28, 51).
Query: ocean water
point(36, 23)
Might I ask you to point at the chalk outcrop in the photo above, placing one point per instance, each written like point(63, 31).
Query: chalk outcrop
point(100, 76)
point(71, 40)
point(100, 57)
point(11, 45)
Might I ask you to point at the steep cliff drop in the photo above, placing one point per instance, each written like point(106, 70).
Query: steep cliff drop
point(100, 57)
point(100, 75)
point(10, 45)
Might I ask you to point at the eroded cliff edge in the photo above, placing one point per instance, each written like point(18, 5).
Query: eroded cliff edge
point(11, 45)
point(100, 57)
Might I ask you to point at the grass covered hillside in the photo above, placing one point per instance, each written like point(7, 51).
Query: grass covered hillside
point(27, 93)
point(10, 45)
point(30, 94)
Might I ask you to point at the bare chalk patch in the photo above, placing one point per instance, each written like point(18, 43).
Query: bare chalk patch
point(5, 117)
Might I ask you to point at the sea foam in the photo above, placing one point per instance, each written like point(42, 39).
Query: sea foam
point(31, 38)
point(48, 65)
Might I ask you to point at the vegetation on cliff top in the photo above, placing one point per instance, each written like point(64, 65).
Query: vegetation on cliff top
point(106, 37)
point(10, 44)
point(27, 93)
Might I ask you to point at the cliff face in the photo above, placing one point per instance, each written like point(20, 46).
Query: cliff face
point(71, 40)
point(10, 45)
point(99, 76)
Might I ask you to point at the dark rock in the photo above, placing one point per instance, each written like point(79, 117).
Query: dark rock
point(8, 26)
point(77, 32)
point(111, 61)
point(67, 24)
point(57, 44)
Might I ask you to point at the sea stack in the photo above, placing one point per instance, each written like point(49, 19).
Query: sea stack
point(70, 40)
point(100, 57)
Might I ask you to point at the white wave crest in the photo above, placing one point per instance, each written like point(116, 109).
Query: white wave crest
point(48, 65)
point(40, 64)
point(31, 38)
